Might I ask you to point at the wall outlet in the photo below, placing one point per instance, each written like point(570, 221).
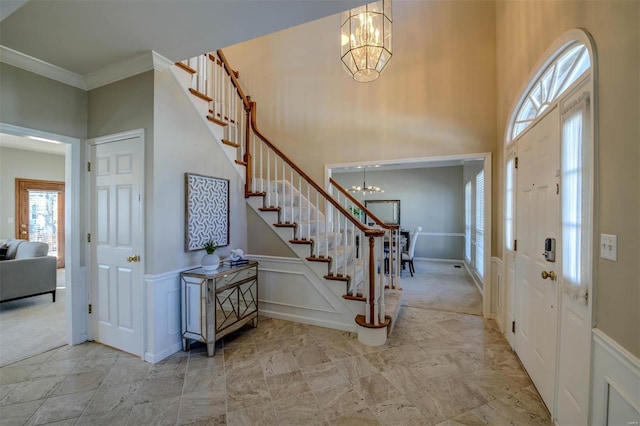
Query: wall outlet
point(609, 247)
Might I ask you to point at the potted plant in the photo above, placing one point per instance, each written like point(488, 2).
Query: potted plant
point(210, 261)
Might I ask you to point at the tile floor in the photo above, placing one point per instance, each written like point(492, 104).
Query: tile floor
point(437, 368)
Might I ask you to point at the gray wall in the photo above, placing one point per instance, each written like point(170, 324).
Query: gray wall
point(429, 197)
point(36, 102)
point(18, 163)
point(122, 106)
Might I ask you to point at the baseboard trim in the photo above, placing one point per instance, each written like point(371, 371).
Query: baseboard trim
point(307, 320)
point(474, 278)
point(434, 259)
point(157, 357)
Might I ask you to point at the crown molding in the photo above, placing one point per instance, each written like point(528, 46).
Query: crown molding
point(142, 63)
point(37, 66)
point(119, 71)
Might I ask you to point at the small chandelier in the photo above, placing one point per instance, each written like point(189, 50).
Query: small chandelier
point(366, 40)
point(364, 188)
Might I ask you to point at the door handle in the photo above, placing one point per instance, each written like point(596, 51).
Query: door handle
point(134, 258)
point(550, 274)
point(24, 232)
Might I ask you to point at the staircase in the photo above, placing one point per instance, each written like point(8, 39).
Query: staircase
point(319, 227)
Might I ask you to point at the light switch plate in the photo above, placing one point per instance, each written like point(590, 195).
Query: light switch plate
point(609, 247)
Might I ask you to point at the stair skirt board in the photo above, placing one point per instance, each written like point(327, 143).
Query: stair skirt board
point(288, 289)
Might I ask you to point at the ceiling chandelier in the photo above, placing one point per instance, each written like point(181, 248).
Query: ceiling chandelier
point(366, 40)
point(364, 188)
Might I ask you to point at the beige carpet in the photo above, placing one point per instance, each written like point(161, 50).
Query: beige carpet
point(441, 286)
point(32, 326)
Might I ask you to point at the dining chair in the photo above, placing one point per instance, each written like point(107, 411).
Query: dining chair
point(407, 256)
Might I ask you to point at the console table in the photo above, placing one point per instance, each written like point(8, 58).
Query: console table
point(216, 303)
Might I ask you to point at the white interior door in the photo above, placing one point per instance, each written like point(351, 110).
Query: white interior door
point(117, 241)
point(537, 219)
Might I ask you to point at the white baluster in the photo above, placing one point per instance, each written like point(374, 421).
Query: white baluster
point(275, 177)
point(317, 231)
point(291, 198)
point(268, 177)
point(309, 213)
point(261, 165)
point(326, 226)
point(354, 266)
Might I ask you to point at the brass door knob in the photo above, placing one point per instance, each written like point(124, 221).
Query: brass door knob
point(550, 274)
point(134, 258)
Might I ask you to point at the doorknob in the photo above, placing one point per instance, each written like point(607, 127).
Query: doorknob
point(24, 232)
point(550, 274)
point(134, 258)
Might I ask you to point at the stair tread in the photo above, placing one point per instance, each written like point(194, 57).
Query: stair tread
point(318, 259)
point(200, 95)
point(356, 297)
point(231, 143)
point(285, 225)
point(301, 241)
point(186, 68)
point(215, 120)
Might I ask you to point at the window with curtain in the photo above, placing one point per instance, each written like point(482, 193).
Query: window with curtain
point(467, 221)
point(479, 261)
point(574, 198)
point(509, 199)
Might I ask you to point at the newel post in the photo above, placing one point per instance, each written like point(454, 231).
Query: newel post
point(372, 328)
point(371, 297)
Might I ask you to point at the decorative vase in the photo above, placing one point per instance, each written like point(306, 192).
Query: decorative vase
point(210, 262)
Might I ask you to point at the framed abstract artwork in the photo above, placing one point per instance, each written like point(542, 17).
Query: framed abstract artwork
point(207, 211)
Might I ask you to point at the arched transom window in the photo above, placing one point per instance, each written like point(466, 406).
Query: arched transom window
point(567, 67)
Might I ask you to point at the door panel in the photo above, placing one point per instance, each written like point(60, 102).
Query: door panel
point(537, 219)
point(117, 225)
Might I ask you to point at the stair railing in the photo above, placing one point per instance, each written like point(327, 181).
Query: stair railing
point(353, 251)
point(393, 254)
point(214, 81)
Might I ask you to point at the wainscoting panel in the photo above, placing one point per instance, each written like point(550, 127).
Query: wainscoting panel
point(162, 295)
point(497, 291)
point(615, 398)
point(288, 289)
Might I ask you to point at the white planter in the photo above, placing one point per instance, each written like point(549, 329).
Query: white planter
point(210, 262)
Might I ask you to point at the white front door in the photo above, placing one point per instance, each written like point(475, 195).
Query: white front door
point(538, 219)
point(117, 240)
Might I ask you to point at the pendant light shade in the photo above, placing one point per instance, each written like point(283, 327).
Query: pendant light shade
point(366, 40)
